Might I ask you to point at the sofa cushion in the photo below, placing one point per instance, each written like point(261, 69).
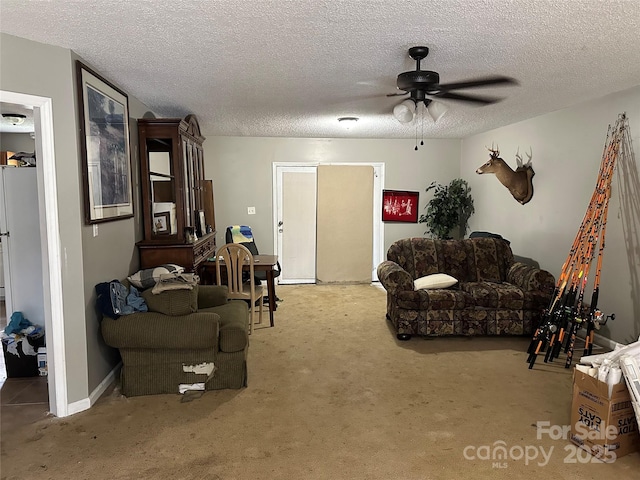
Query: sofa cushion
point(492, 257)
point(148, 277)
point(172, 302)
point(494, 295)
point(438, 299)
point(142, 331)
point(234, 325)
point(436, 280)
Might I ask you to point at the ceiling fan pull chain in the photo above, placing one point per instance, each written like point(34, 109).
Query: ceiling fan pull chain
point(422, 125)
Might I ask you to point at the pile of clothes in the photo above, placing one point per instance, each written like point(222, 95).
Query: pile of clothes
point(20, 342)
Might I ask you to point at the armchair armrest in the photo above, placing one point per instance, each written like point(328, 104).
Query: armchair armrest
point(212, 295)
point(528, 278)
point(394, 278)
point(156, 330)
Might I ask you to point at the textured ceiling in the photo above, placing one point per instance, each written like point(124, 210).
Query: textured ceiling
point(291, 68)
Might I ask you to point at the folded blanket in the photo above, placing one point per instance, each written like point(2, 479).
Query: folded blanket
point(175, 281)
point(241, 233)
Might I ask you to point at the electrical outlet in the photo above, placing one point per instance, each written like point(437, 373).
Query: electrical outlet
point(95, 229)
point(251, 210)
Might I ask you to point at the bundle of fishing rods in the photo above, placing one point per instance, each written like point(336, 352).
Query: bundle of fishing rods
point(567, 312)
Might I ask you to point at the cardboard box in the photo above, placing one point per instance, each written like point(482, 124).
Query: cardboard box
point(604, 426)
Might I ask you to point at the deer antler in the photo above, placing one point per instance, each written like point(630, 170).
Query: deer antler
point(494, 152)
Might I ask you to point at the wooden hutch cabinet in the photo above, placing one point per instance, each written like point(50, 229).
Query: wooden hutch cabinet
point(173, 194)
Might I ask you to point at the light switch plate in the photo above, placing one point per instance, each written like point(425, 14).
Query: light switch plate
point(251, 210)
point(95, 229)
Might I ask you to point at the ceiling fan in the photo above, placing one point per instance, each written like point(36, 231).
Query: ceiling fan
point(424, 86)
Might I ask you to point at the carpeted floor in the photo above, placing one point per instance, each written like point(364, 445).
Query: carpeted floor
point(332, 395)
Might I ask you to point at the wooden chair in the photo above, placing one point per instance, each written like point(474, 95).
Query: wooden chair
point(235, 257)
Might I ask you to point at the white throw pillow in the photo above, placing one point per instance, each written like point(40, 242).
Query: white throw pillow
point(148, 277)
point(437, 280)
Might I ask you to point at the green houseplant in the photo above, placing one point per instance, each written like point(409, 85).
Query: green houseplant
point(450, 207)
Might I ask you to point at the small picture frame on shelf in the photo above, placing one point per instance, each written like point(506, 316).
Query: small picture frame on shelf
point(202, 223)
point(161, 223)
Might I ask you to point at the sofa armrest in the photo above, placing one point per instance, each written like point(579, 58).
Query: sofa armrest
point(530, 278)
point(156, 330)
point(212, 295)
point(394, 278)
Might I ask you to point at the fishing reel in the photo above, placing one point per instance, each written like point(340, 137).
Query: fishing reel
point(598, 319)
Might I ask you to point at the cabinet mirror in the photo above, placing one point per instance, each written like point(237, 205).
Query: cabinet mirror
point(163, 201)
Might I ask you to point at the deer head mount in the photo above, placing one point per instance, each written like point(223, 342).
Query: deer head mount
point(518, 182)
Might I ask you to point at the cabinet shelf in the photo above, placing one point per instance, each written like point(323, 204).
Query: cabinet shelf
point(163, 175)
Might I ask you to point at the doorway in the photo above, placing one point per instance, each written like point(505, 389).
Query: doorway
point(49, 245)
point(306, 211)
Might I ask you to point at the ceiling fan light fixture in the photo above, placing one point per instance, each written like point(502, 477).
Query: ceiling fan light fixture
point(405, 111)
point(436, 110)
point(15, 118)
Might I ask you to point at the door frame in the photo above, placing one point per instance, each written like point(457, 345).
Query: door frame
point(50, 245)
point(6, 264)
point(378, 183)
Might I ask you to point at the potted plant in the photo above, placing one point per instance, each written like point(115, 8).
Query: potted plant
point(450, 207)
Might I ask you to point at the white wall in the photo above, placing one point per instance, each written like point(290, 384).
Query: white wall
point(567, 150)
point(17, 142)
point(241, 169)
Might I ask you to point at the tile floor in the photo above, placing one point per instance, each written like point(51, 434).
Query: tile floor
point(22, 400)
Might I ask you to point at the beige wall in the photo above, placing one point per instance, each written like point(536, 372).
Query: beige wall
point(567, 149)
point(48, 71)
point(111, 254)
point(241, 169)
point(17, 142)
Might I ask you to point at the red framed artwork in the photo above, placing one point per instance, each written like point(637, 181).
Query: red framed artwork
point(399, 206)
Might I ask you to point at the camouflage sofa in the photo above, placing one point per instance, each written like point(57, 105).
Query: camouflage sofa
point(494, 295)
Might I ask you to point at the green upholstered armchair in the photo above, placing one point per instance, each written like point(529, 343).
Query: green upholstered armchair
point(182, 334)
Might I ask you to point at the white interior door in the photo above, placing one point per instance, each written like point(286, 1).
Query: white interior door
point(20, 228)
point(296, 223)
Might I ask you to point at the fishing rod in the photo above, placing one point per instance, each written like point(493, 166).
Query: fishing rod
point(567, 313)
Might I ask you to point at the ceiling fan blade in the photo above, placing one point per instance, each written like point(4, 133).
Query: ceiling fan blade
point(397, 94)
point(480, 82)
point(467, 98)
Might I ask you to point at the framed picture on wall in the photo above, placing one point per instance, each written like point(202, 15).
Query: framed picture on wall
point(400, 206)
point(104, 141)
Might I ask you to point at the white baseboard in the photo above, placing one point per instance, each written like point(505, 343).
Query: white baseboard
point(604, 341)
point(87, 403)
point(600, 341)
point(79, 406)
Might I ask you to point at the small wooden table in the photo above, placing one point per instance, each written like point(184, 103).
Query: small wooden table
point(264, 263)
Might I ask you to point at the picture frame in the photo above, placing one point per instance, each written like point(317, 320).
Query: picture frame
point(161, 224)
point(103, 111)
point(400, 206)
point(202, 223)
